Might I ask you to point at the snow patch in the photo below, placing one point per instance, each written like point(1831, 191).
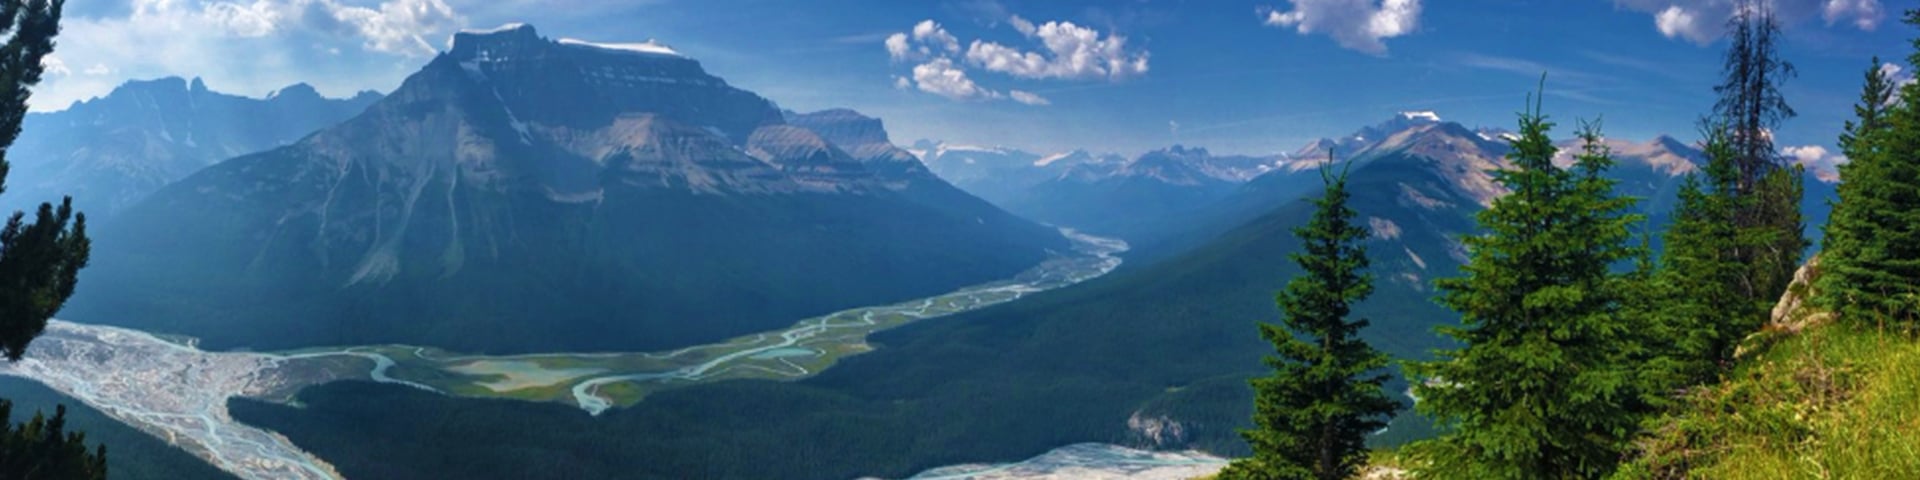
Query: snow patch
point(489, 31)
point(1427, 115)
point(651, 47)
point(1048, 160)
point(968, 148)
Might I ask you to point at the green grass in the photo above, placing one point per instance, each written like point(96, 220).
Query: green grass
point(1835, 401)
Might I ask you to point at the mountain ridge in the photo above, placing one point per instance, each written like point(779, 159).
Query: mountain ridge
point(676, 210)
point(108, 152)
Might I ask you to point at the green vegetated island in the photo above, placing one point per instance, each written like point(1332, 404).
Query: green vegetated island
point(598, 381)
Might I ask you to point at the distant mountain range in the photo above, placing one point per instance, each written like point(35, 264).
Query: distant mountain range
point(521, 194)
point(1172, 199)
point(1107, 194)
point(109, 152)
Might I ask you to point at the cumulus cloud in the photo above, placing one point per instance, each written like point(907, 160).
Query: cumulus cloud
point(1900, 76)
point(930, 33)
point(1676, 22)
point(1823, 164)
point(897, 47)
point(1703, 21)
point(248, 46)
point(1864, 14)
point(1065, 51)
point(1072, 52)
point(941, 77)
point(1360, 25)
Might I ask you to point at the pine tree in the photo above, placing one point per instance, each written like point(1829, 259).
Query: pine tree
point(1750, 107)
point(1737, 233)
point(1871, 262)
point(1542, 387)
point(42, 448)
point(1312, 416)
point(1706, 310)
point(39, 260)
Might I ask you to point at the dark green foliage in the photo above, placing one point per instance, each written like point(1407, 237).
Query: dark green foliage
point(1542, 388)
point(1737, 233)
point(1707, 309)
point(1765, 193)
point(137, 455)
point(1312, 416)
point(38, 260)
point(1871, 267)
point(41, 448)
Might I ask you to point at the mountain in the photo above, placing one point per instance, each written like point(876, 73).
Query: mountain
point(1133, 198)
point(997, 174)
point(1151, 355)
point(521, 194)
point(1156, 354)
point(1139, 198)
point(109, 152)
point(1467, 153)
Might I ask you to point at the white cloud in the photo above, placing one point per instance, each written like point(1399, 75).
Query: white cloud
point(398, 26)
point(1676, 22)
point(1360, 25)
point(1028, 98)
point(930, 33)
point(1900, 78)
point(53, 65)
point(249, 46)
point(1823, 164)
point(1865, 14)
point(897, 47)
point(1703, 21)
point(1024, 26)
point(1899, 75)
point(1065, 51)
point(1073, 52)
point(941, 77)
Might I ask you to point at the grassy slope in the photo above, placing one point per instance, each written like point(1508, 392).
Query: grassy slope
point(1834, 401)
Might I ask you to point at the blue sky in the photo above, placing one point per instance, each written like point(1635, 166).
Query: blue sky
point(1046, 75)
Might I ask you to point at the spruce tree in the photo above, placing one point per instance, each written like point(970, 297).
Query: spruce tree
point(1737, 234)
point(1312, 416)
point(1542, 387)
point(40, 257)
point(1871, 262)
point(42, 448)
point(1769, 190)
point(1707, 311)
